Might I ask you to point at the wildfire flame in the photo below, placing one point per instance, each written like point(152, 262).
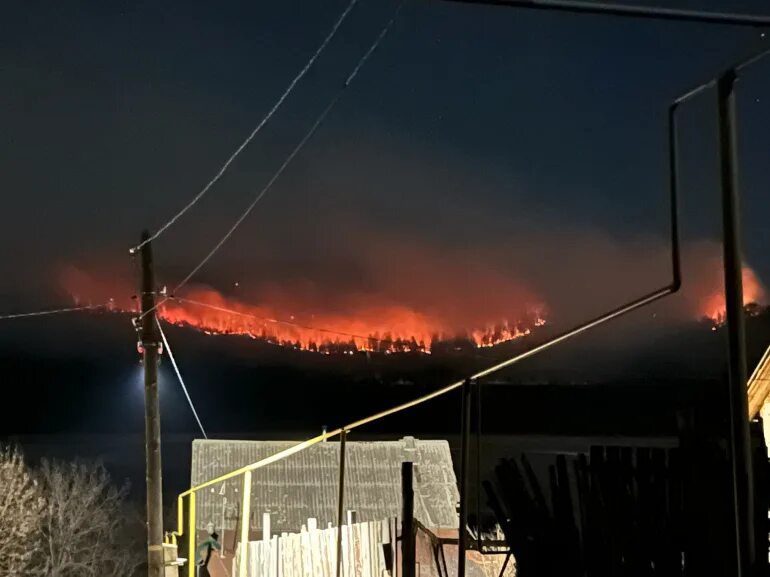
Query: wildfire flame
point(437, 313)
point(387, 328)
point(713, 306)
point(329, 322)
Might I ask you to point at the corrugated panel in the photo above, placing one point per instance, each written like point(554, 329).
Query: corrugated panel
point(305, 484)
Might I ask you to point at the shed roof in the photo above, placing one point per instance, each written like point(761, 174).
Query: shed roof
point(305, 484)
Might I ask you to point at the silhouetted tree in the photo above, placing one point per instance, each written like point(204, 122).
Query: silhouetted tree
point(21, 505)
point(83, 527)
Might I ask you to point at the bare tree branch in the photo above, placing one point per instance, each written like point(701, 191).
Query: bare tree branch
point(21, 505)
point(84, 523)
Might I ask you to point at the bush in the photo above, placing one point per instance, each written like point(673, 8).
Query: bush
point(84, 531)
point(65, 520)
point(21, 506)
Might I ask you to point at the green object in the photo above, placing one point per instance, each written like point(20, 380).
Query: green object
point(203, 548)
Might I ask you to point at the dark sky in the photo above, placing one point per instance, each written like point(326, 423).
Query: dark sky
point(533, 143)
point(471, 126)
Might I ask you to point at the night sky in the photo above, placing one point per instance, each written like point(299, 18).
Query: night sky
point(518, 149)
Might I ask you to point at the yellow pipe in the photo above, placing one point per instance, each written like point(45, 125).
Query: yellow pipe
point(753, 384)
point(399, 408)
point(191, 538)
point(315, 440)
point(170, 537)
point(245, 513)
point(246, 470)
point(759, 385)
point(179, 516)
point(263, 462)
point(483, 373)
point(377, 416)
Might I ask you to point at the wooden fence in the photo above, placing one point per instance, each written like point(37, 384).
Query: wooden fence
point(625, 511)
point(366, 551)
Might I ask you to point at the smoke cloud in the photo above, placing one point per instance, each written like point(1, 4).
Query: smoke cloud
point(394, 286)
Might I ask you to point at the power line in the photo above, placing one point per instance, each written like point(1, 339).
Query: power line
point(260, 196)
point(319, 120)
point(287, 323)
point(179, 376)
point(375, 44)
point(51, 312)
point(631, 11)
point(465, 354)
point(254, 132)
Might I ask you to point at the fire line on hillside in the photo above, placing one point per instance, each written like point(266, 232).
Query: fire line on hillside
point(351, 322)
point(386, 329)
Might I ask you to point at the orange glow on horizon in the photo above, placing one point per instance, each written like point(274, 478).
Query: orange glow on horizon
point(713, 306)
point(385, 328)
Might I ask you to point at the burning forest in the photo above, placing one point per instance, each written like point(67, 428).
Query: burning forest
point(430, 300)
point(385, 328)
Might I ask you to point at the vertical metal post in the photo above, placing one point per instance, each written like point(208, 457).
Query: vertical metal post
point(673, 184)
point(408, 546)
point(150, 343)
point(341, 501)
point(394, 540)
point(191, 537)
point(733, 270)
point(462, 537)
point(478, 467)
point(243, 563)
point(179, 515)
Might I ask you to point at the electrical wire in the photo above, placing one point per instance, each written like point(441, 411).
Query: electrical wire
point(51, 312)
point(287, 323)
point(179, 376)
point(254, 132)
point(319, 120)
point(297, 149)
point(380, 341)
point(259, 197)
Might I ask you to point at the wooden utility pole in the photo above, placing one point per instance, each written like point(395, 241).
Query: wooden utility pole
point(150, 348)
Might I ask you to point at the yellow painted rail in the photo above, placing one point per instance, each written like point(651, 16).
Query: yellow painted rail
point(759, 385)
point(247, 470)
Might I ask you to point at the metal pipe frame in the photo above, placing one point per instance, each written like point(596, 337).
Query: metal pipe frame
point(191, 538)
point(569, 6)
point(462, 532)
point(629, 11)
point(478, 466)
point(740, 444)
point(644, 300)
point(759, 385)
point(243, 562)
